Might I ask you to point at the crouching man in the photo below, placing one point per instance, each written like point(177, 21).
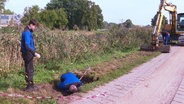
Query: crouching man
point(69, 83)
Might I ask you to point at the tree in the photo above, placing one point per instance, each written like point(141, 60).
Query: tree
point(30, 13)
point(54, 4)
point(62, 20)
point(7, 11)
point(82, 13)
point(49, 18)
point(93, 17)
point(128, 23)
point(90, 18)
point(154, 19)
point(53, 18)
point(99, 17)
point(2, 4)
point(2, 8)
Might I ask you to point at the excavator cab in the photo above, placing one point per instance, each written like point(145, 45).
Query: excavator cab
point(180, 22)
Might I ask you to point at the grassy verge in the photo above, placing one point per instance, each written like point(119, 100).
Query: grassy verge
point(126, 66)
point(26, 101)
point(46, 73)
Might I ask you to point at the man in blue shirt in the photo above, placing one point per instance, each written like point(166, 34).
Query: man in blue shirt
point(69, 83)
point(28, 53)
point(166, 36)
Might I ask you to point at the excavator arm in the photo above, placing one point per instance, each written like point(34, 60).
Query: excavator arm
point(157, 29)
point(175, 28)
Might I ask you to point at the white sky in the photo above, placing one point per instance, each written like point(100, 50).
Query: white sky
point(139, 11)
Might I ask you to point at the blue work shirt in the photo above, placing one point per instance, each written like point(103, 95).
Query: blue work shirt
point(27, 42)
point(68, 79)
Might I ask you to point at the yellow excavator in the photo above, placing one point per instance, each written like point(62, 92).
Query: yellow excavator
point(175, 27)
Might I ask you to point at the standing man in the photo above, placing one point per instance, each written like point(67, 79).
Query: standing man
point(166, 36)
point(28, 53)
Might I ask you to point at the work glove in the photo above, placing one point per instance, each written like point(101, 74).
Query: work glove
point(37, 55)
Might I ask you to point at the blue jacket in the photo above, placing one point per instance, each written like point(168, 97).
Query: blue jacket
point(68, 79)
point(27, 42)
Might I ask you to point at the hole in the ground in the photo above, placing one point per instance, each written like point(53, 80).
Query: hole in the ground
point(87, 78)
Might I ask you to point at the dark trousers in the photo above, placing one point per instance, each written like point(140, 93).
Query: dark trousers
point(166, 40)
point(29, 69)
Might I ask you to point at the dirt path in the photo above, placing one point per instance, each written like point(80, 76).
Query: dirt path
point(154, 82)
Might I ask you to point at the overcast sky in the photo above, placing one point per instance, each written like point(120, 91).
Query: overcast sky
point(139, 11)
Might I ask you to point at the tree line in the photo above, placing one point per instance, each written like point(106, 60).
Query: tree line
point(71, 14)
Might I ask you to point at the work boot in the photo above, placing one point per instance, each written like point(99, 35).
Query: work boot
point(34, 87)
point(28, 88)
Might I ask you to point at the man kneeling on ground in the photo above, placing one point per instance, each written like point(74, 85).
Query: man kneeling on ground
point(69, 83)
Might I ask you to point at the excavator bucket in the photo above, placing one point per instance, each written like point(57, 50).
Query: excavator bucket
point(165, 48)
point(161, 48)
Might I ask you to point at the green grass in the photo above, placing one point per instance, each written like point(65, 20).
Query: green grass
point(26, 101)
point(14, 101)
point(125, 68)
point(44, 73)
point(16, 79)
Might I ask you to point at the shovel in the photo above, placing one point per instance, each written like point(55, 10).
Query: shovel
point(87, 69)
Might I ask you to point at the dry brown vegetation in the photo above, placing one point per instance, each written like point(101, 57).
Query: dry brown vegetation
point(69, 45)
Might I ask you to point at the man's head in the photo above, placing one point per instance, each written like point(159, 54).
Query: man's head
point(33, 24)
point(73, 88)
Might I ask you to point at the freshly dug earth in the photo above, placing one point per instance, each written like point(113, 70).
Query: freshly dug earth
point(106, 67)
